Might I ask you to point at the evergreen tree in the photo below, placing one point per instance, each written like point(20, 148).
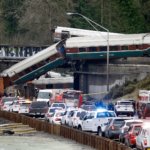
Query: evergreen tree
point(11, 14)
point(85, 8)
point(126, 16)
point(131, 18)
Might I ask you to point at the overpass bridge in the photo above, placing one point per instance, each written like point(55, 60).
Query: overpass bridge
point(12, 54)
point(78, 51)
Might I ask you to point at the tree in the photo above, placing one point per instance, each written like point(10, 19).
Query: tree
point(11, 14)
point(126, 16)
point(132, 20)
point(86, 8)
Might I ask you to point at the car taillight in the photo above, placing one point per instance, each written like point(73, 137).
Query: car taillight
point(48, 115)
point(112, 127)
point(145, 141)
point(57, 119)
point(132, 136)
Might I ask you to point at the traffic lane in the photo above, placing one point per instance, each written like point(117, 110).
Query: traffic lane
point(39, 141)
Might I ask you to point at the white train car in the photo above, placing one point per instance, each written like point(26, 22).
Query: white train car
point(73, 45)
point(75, 32)
point(49, 52)
point(114, 40)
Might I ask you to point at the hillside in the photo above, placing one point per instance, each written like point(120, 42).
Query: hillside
point(130, 89)
point(29, 22)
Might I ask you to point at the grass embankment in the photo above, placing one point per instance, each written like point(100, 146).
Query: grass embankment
point(130, 89)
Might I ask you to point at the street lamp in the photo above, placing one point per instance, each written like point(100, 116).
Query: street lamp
point(91, 22)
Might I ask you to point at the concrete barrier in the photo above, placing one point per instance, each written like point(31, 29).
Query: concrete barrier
point(94, 141)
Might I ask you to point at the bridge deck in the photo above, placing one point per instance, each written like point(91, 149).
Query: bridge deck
point(80, 56)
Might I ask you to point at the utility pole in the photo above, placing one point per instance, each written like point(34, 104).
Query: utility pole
point(109, 13)
point(102, 11)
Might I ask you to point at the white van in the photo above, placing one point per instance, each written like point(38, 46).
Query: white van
point(44, 95)
point(48, 95)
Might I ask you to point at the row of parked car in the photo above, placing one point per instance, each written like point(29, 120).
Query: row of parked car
point(27, 107)
point(33, 108)
point(132, 131)
point(14, 104)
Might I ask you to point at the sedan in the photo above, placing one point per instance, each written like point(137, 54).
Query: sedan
point(130, 136)
point(112, 130)
point(7, 105)
point(143, 138)
point(125, 127)
point(24, 108)
point(56, 117)
point(50, 113)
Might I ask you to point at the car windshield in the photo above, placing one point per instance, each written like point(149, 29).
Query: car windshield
point(44, 95)
point(78, 114)
point(82, 114)
point(39, 104)
point(71, 95)
point(7, 99)
point(102, 114)
point(25, 105)
point(16, 103)
point(59, 105)
point(118, 122)
point(111, 114)
point(8, 103)
point(129, 123)
point(148, 105)
point(125, 103)
point(52, 110)
point(89, 107)
point(137, 129)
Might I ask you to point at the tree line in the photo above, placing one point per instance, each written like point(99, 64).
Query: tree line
point(30, 21)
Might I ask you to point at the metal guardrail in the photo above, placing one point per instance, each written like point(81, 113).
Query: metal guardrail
point(94, 141)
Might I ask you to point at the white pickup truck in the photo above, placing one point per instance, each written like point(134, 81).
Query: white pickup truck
point(96, 121)
point(124, 107)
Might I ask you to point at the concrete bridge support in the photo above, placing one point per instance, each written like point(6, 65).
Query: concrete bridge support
point(92, 75)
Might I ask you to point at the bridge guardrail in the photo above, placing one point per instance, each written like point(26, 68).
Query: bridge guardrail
point(94, 141)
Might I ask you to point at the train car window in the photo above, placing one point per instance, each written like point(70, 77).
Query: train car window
point(65, 35)
point(98, 48)
point(82, 49)
point(103, 48)
point(114, 48)
point(124, 47)
point(137, 46)
point(132, 47)
point(74, 36)
point(56, 37)
point(92, 49)
point(34, 67)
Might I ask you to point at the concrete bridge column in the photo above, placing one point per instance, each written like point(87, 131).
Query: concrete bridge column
point(92, 76)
